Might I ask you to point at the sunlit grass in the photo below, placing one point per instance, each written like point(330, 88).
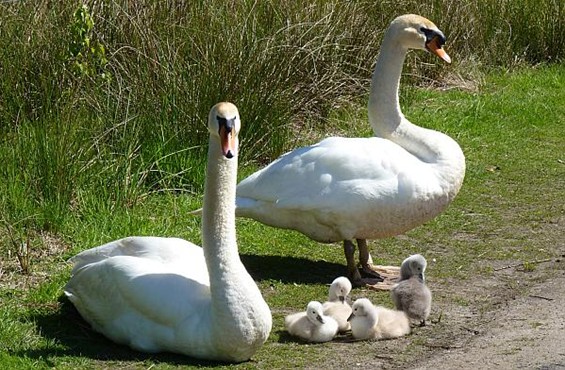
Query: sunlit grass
point(507, 212)
point(120, 149)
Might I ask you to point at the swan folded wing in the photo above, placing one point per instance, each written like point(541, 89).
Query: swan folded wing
point(327, 175)
point(122, 287)
point(156, 248)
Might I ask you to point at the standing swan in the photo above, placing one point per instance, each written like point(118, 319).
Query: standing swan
point(364, 188)
point(166, 294)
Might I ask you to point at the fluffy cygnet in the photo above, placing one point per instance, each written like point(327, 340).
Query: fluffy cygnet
point(376, 322)
point(312, 325)
point(336, 306)
point(411, 294)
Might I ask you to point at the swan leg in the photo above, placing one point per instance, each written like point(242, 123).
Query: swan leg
point(352, 271)
point(365, 259)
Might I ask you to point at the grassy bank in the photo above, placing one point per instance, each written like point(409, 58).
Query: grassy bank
point(102, 113)
point(103, 105)
point(509, 210)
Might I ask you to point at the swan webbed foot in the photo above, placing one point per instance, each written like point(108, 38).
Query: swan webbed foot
point(370, 270)
point(366, 282)
point(368, 275)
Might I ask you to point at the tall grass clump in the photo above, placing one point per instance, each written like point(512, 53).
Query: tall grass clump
point(104, 103)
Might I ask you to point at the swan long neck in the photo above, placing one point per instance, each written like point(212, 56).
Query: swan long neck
point(240, 316)
point(386, 119)
point(384, 107)
point(218, 218)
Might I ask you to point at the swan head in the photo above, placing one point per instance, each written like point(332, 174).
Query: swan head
point(224, 123)
point(416, 32)
point(415, 265)
point(314, 312)
point(361, 307)
point(340, 289)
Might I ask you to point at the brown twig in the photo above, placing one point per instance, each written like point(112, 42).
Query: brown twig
point(541, 297)
point(438, 320)
point(442, 346)
point(521, 264)
point(382, 357)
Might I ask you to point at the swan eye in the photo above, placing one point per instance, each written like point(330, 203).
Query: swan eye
point(430, 34)
point(228, 124)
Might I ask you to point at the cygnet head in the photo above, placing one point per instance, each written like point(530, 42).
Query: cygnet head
point(415, 265)
point(340, 289)
point(361, 307)
point(416, 32)
point(224, 123)
point(314, 312)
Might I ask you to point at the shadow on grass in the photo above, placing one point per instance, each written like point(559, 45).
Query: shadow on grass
point(285, 337)
point(291, 269)
point(75, 338)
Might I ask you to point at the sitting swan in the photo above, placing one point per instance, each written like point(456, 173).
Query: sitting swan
point(312, 325)
point(166, 294)
point(376, 322)
point(336, 306)
point(364, 188)
point(411, 294)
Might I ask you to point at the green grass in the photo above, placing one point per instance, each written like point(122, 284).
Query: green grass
point(509, 209)
point(102, 135)
point(103, 106)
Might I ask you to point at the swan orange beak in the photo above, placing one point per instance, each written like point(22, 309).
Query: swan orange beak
point(434, 46)
point(228, 142)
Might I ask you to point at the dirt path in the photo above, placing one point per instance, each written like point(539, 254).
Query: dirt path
point(523, 333)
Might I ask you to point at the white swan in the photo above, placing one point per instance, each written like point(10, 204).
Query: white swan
point(166, 294)
point(364, 188)
point(411, 294)
point(312, 325)
point(336, 306)
point(377, 322)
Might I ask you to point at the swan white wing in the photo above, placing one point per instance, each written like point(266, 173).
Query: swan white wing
point(138, 301)
point(334, 173)
point(167, 250)
point(341, 188)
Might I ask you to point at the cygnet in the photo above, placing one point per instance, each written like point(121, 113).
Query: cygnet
point(336, 306)
point(312, 325)
point(411, 294)
point(376, 322)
